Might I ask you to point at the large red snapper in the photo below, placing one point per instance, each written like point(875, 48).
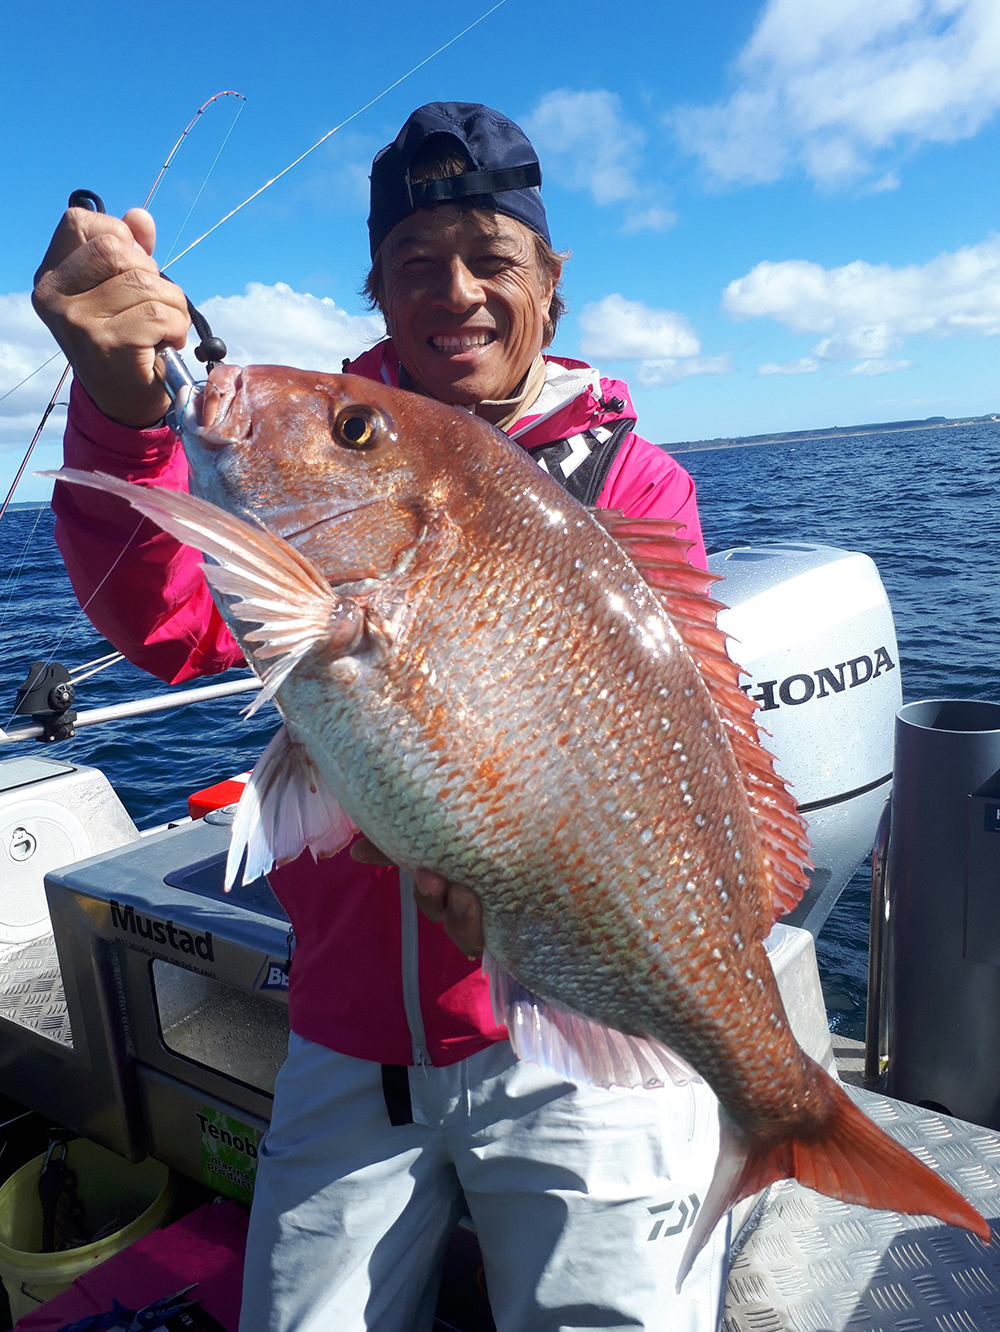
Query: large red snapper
point(472, 671)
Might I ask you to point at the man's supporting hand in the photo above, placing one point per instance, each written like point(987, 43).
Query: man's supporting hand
point(100, 293)
point(452, 905)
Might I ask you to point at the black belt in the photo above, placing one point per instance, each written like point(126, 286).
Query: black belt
point(396, 1090)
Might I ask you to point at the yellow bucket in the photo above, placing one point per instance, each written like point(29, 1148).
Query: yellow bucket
point(112, 1190)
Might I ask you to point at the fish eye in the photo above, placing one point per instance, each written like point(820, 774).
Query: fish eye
point(358, 427)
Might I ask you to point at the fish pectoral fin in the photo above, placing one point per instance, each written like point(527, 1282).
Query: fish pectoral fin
point(577, 1047)
point(848, 1157)
point(285, 808)
point(269, 583)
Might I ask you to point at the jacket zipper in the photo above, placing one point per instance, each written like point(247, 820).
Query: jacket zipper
point(411, 970)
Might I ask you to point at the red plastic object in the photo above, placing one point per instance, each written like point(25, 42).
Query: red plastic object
point(217, 796)
point(207, 1246)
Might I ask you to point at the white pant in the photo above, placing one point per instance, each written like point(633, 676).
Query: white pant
point(582, 1199)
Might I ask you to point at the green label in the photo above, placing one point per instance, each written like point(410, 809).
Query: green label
point(228, 1154)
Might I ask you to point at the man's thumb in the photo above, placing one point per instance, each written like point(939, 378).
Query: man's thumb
point(142, 227)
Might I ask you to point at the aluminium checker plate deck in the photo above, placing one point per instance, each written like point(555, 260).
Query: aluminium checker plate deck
point(31, 989)
point(814, 1264)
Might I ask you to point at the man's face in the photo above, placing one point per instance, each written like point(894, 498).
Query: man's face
point(465, 303)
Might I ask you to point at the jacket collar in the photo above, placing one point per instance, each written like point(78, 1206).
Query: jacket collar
point(574, 397)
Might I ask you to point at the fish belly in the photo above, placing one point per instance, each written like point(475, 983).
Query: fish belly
point(590, 798)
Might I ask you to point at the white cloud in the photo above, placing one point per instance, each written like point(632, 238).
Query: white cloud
point(826, 88)
point(25, 344)
point(585, 142)
point(619, 330)
point(867, 310)
point(870, 340)
point(279, 326)
point(670, 370)
point(649, 219)
point(662, 341)
point(267, 325)
point(890, 181)
point(805, 365)
point(879, 367)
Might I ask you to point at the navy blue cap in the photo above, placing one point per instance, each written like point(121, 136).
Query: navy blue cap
point(505, 175)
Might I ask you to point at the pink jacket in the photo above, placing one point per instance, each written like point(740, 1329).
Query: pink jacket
point(372, 977)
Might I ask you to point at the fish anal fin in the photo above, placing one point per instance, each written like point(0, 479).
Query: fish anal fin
point(851, 1159)
point(285, 809)
point(576, 1047)
point(661, 558)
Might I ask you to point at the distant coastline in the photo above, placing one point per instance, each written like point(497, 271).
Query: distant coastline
point(831, 432)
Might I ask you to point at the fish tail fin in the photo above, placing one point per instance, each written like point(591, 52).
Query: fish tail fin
point(851, 1158)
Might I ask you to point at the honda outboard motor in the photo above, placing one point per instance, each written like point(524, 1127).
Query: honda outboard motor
point(813, 629)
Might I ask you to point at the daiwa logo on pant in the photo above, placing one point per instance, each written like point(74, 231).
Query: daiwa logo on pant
point(166, 933)
point(673, 1217)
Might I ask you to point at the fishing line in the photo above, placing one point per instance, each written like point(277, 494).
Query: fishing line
point(36, 437)
point(156, 184)
point(18, 565)
point(79, 614)
point(232, 213)
point(184, 133)
point(52, 401)
point(384, 93)
point(31, 376)
point(243, 102)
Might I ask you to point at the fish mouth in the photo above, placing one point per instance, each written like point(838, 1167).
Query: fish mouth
point(302, 521)
point(222, 409)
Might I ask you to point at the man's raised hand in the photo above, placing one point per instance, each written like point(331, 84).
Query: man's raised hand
point(100, 293)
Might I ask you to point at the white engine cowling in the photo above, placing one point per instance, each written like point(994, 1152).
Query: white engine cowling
point(51, 814)
point(813, 628)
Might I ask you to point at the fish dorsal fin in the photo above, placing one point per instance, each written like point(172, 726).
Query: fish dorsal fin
point(661, 557)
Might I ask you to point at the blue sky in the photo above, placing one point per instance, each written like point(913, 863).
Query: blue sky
point(781, 214)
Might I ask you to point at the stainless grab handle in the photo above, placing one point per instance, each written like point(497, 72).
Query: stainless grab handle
point(876, 1017)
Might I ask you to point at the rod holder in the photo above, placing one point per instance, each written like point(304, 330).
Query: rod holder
point(942, 945)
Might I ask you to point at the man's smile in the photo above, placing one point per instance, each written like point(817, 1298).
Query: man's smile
point(459, 342)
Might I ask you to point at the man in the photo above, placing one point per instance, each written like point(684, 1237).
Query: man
point(400, 1098)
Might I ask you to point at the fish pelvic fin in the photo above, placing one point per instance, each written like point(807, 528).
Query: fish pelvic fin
point(267, 583)
point(285, 808)
point(660, 556)
point(850, 1158)
point(576, 1047)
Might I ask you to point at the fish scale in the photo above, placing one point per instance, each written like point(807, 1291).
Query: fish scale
point(492, 684)
point(552, 767)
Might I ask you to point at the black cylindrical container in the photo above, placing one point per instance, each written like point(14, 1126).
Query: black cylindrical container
point(944, 917)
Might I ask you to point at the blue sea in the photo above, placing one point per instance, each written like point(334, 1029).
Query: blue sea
point(922, 504)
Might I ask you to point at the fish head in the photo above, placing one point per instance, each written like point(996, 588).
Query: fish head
point(347, 470)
